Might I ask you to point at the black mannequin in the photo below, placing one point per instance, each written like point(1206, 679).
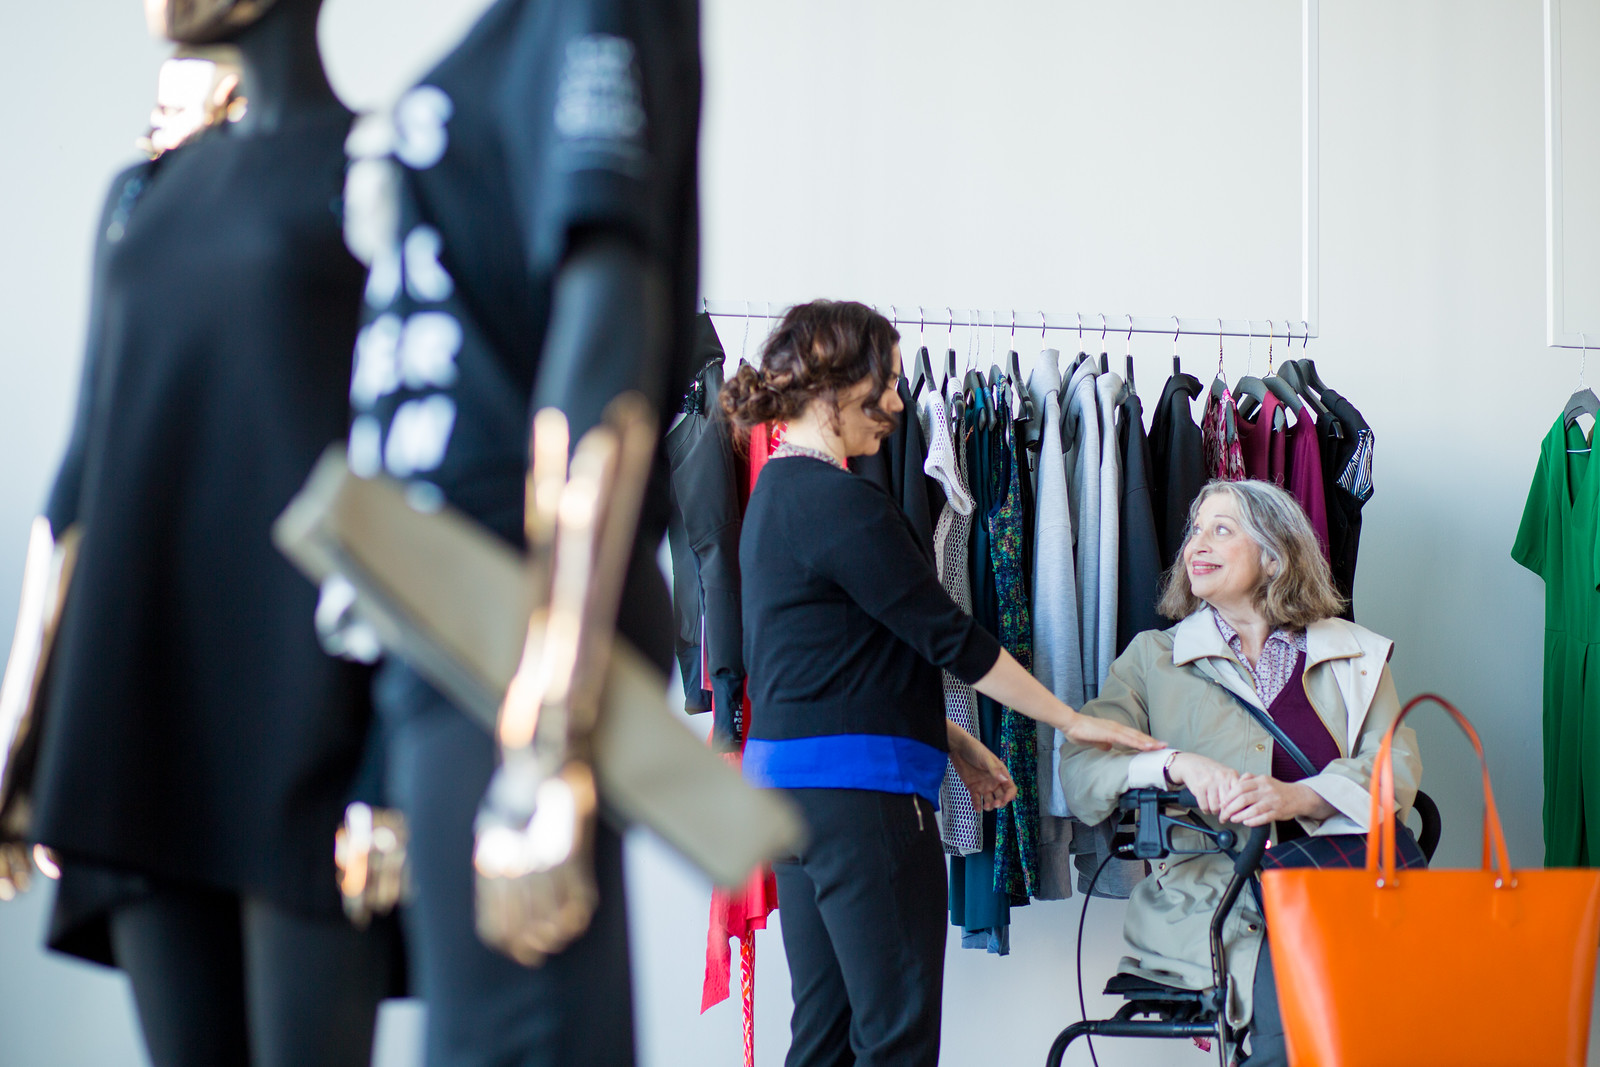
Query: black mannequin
point(607, 329)
point(282, 75)
point(191, 789)
point(548, 164)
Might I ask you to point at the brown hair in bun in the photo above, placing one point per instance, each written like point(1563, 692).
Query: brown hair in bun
point(819, 350)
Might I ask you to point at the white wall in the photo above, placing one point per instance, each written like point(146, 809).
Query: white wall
point(1061, 156)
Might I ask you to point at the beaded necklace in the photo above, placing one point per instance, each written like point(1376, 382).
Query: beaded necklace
point(787, 449)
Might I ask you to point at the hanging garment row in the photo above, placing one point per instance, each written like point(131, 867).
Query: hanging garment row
point(1052, 515)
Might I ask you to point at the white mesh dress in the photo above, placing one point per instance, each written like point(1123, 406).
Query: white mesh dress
point(960, 824)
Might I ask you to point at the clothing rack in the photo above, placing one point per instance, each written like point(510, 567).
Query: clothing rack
point(1020, 321)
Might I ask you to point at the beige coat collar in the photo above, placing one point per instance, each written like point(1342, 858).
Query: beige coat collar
point(1354, 656)
point(1197, 637)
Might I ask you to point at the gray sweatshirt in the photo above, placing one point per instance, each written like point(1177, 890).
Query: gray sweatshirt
point(1082, 420)
point(1057, 657)
point(1108, 387)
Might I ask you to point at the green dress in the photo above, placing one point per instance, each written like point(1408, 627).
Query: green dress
point(1558, 542)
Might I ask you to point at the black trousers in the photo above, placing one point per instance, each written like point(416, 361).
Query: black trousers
point(220, 980)
point(576, 1008)
point(863, 916)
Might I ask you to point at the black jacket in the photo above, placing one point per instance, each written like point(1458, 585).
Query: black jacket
point(1138, 552)
point(699, 407)
point(1344, 506)
point(1178, 468)
point(897, 468)
point(707, 482)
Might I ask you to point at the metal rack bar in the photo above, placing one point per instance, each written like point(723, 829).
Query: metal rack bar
point(1043, 321)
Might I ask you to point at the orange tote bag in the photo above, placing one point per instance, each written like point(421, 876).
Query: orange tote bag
point(1423, 968)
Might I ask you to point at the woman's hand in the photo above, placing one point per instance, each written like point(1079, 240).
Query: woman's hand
point(1212, 783)
point(1009, 683)
point(1104, 734)
point(1257, 799)
point(981, 771)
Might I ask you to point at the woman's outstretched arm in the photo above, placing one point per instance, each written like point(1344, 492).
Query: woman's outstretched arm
point(1011, 685)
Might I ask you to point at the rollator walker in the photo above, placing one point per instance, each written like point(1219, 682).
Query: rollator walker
point(1157, 1010)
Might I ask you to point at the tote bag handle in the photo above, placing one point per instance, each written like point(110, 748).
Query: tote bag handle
point(1381, 821)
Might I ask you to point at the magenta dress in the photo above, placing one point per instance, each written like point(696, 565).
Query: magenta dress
point(1305, 473)
point(1265, 451)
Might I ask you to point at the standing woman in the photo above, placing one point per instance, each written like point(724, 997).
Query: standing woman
point(846, 628)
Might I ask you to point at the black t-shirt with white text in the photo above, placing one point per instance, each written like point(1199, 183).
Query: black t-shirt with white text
point(549, 119)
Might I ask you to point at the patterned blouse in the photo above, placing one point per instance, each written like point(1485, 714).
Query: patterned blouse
point(1223, 458)
point(1279, 657)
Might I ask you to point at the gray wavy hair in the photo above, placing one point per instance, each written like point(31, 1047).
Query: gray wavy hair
point(1300, 592)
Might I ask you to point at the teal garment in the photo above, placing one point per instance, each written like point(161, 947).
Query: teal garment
point(1016, 829)
point(982, 911)
point(1558, 541)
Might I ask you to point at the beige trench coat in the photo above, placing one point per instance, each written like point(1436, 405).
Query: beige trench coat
point(1179, 685)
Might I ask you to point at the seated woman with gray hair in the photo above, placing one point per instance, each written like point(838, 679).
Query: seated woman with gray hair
point(1257, 626)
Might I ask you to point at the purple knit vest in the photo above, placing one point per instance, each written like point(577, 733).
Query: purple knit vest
point(1292, 711)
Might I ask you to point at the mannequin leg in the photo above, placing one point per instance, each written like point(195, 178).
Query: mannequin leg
point(576, 1009)
point(182, 953)
point(314, 984)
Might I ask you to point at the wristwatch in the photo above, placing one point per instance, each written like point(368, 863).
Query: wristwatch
point(1166, 769)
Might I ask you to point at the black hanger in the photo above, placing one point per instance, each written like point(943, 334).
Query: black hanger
point(1219, 384)
point(1289, 372)
point(1275, 385)
point(999, 386)
point(1248, 393)
point(972, 390)
point(1281, 389)
point(1024, 399)
point(1306, 368)
point(1286, 396)
point(995, 384)
point(1105, 363)
point(1312, 382)
point(1308, 371)
point(1128, 361)
point(1219, 387)
point(921, 373)
point(1187, 383)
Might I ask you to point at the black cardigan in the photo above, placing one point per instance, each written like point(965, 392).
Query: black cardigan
point(845, 622)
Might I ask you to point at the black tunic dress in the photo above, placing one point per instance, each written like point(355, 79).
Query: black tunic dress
point(196, 732)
